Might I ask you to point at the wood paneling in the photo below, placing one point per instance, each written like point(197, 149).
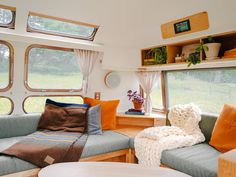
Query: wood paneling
point(28, 173)
point(198, 22)
point(117, 156)
point(227, 164)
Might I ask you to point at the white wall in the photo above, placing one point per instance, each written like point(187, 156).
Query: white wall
point(125, 28)
point(18, 92)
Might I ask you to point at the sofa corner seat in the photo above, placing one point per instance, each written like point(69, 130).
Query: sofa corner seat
point(200, 160)
point(14, 128)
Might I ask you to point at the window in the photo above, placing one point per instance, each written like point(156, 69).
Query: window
point(35, 104)
point(7, 16)
point(156, 96)
point(6, 62)
point(6, 106)
point(208, 88)
point(60, 27)
point(52, 69)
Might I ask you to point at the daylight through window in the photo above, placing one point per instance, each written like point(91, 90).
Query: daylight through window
point(210, 89)
point(6, 106)
point(6, 60)
point(52, 69)
point(35, 104)
point(61, 27)
point(7, 16)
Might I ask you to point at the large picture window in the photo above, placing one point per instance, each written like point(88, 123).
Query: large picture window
point(52, 69)
point(34, 104)
point(210, 89)
point(7, 16)
point(6, 64)
point(60, 27)
point(6, 106)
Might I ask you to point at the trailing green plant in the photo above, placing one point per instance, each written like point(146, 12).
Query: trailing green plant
point(201, 47)
point(159, 54)
point(210, 39)
point(193, 58)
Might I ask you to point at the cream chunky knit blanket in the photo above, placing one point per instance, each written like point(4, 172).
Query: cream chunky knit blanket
point(184, 131)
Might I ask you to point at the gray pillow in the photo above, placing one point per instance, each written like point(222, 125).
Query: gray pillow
point(94, 120)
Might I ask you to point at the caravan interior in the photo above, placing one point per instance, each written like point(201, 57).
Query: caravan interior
point(117, 88)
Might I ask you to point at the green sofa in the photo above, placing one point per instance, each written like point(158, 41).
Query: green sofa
point(200, 160)
point(14, 128)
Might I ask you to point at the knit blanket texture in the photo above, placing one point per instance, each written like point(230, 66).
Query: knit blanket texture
point(184, 131)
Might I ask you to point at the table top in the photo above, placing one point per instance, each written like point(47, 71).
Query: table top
point(106, 169)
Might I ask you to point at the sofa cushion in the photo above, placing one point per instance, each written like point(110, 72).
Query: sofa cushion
point(18, 125)
point(223, 136)
point(108, 111)
point(206, 124)
point(200, 160)
point(12, 164)
point(109, 141)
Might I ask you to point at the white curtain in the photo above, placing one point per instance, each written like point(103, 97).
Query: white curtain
point(86, 60)
point(147, 80)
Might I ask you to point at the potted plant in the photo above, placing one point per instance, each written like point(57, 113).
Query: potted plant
point(136, 98)
point(193, 58)
point(212, 48)
point(159, 54)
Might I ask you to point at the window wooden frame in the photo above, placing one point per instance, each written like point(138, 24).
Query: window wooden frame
point(23, 103)
point(12, 105)
point(163, 91)
point(26, 69)
point(164, 96)
point(11, 65)
point(10, 25)
point(166, 85)
point(90, 38)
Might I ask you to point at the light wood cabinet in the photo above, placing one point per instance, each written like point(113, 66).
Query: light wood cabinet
point(130, 125)
point(227, 164)
point(227, 40)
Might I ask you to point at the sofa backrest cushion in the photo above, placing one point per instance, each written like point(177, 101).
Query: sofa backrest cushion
point(18, 125)
point(206, 125)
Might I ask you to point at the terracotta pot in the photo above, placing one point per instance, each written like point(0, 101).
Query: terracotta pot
point(137, 105)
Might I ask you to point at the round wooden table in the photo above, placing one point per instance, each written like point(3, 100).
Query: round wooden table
point(106, 169)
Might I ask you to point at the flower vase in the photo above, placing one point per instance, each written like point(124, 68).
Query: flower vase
point(137, 105)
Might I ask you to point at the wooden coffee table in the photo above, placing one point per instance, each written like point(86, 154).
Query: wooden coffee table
point(106, 169)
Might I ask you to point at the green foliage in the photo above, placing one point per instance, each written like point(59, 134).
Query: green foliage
point(48, 61)
point(201, 47)
point(51, 25)
point(159, 54)
point(5, 105)
point(209, 89)
point(193, 58)
point(210, 39)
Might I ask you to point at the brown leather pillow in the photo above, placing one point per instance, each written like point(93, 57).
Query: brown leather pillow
point(224, 133)
point(67, 118)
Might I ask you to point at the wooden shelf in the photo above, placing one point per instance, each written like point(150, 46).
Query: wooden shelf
point(227, 40)
point(218, 63)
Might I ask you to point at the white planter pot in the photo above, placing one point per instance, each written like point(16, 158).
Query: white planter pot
point(213, 50)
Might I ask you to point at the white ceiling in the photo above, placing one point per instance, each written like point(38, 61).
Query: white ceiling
point(127, 23)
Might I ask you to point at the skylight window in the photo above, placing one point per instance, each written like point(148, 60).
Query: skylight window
point(60, 27)
point(7, 16)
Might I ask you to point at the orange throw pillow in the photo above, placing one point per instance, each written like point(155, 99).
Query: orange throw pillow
point(108, 111)
point(224, 133)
